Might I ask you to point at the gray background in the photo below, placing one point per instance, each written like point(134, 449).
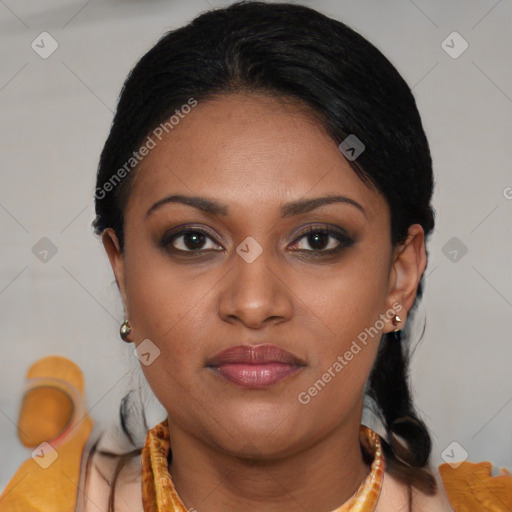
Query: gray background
point(56, 113)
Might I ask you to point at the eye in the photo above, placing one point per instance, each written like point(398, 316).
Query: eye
point(322, 239)
point(189, 240)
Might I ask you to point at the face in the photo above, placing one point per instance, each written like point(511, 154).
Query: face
point(257, 262)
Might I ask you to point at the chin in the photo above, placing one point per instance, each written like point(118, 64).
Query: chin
point(263, 448)
point(269, 434)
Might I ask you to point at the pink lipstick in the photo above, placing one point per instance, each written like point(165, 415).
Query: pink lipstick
point(255, 366)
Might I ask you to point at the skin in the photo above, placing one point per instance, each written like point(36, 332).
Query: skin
point(244, 449)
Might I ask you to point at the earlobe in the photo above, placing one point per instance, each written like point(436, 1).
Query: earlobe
point(116, 258)
point(409, 263)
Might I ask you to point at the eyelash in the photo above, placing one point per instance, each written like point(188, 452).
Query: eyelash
point(344, 240)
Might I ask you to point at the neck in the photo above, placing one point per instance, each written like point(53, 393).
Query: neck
point(319, 478)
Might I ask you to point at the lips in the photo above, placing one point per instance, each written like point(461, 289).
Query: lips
point(255, 366)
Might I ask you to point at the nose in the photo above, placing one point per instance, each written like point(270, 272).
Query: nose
point(255, 293)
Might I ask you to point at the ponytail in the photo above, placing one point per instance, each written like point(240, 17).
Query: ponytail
point(389, 389)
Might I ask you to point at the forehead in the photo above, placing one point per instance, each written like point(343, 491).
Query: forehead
point(243, 147)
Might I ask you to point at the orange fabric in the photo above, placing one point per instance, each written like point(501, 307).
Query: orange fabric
point(48, 481)
point(36, 488)
point(471, 488)
point(159, 494)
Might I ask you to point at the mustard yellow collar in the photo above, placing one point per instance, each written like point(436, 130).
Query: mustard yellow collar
point(159, 494)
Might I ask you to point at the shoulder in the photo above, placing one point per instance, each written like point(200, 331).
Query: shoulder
point(470, 485)
point(103, 479)
point(460, 488)
point(395, 496)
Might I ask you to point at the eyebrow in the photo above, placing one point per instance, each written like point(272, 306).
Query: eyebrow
point(290, 209)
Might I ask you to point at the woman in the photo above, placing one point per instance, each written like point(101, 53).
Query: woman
point(264, 198)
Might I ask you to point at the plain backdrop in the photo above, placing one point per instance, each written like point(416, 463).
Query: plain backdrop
point(55, 116)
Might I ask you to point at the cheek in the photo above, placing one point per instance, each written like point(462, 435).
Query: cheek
point(158, 294)
point(173, 308)
point(347, 301)
point(344, 313)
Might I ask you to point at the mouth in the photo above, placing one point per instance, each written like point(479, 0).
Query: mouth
point(255, 366)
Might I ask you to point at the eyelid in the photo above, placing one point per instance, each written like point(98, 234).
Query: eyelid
point(167, 238)
point(344, 239)
point(333, 231)
point(332, 228)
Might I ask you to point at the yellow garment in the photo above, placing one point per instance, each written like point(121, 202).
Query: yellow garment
point(471, 488)
point(54, 422)
point(53, 383)
point(159, 494)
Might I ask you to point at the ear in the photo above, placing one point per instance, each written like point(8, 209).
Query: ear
point(116, 257)
point(408, 264)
